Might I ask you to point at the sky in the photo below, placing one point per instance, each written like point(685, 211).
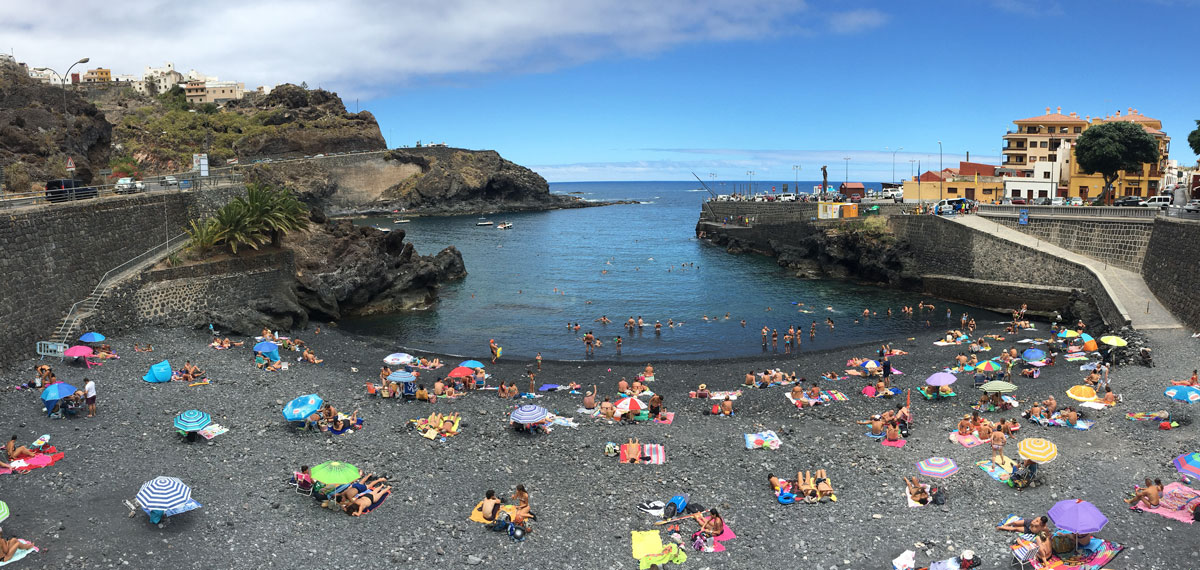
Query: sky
point(620, 90)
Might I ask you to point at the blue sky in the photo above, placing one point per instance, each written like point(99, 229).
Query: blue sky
point(619, 90)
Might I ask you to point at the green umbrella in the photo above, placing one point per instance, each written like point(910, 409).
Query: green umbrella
point(335, 473)
point(998, 386)
point(3, 511)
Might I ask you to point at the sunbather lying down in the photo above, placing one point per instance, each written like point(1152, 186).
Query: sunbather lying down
point(916, 491)
point(814, 488)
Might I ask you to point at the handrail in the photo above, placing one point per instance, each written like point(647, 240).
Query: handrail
point(1076, 211)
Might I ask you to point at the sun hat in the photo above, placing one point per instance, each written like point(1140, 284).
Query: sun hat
point(703, 386)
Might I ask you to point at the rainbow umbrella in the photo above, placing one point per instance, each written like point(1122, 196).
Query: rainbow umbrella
point(1183, 394)
point(335, 473)
point(941, 379)
point(940, 467)
point(1068, 334)
point(1077, 516)
point(1082, 393)
point(988, 366)
point(1113, 340)
point(1037, 450)
point(1188, 464)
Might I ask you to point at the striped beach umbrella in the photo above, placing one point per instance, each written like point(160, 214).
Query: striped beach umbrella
point(1037, 450)
point(461, 372)
point(528, 414)
point(870, 364)
point(3, 511)
point(1113, 340)
point(630, 405)
point(192, 420)
point(1183, 394)
point(1068, 334)
point(1188, 464)
point(941, 379)
point(302, 407)
point(998, 386)
point(398, 358)
point(163, 494)
point(989, 366)
point(1082, 393)
point(940, 467)
point(401, 377)
point(334, 473)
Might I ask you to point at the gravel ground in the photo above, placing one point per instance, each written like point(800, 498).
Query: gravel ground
point(585, 501)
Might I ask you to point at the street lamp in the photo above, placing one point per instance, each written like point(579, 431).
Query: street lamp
point(62, 79)
point(846, 179)
point(911, 162)
point(796, 169)
point(894, 162)
point(750, 173)
point(941, 174)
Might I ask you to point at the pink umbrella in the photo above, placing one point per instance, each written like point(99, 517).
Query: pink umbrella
point(78, 350)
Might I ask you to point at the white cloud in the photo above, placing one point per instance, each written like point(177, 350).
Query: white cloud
point(856, 21)
point(362, 47)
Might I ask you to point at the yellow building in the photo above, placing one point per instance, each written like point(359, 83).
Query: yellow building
point(983, 188)
point(1144, 182)
point(1040, 138)
point(98, 75)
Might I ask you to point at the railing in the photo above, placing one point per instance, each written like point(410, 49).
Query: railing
point(1070, 211)
point(184, 182)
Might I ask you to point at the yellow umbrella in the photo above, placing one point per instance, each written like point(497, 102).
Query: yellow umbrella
point(1082, 393)
point(1113, 340)
point(1037, 450)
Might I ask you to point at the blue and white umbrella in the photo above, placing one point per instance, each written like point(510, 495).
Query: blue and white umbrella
point(398, 358)
point(302, 407)
point(91, 337)
point(401, 377)
point(163, 494)
point(471, 364)
point(529, 414)
point(192, 420)
point(1183, 394)
point(266, 346)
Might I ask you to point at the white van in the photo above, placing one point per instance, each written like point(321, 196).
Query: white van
point(949, 206)
point(1159, 201)
point(787, 197)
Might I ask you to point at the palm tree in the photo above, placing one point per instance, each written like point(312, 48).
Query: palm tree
point(236, 226)
point(274, 211)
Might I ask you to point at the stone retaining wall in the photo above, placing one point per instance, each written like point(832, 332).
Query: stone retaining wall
point(1119, 242)
point(1171, 269)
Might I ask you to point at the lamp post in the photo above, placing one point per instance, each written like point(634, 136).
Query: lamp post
point(894, 162)
point(796, 170)
point(846, 178)
point(750, 173)
point(62, 79)
point(941, 174)
point(911, 163)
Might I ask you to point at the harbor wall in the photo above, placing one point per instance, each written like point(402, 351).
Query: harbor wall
point(1171, 270)
point(1120, 242)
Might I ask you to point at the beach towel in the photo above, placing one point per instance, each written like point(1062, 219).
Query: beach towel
point(548, 387)
point(763, 439)
point(898, 443)
point(911, 502)
point(869, 391)
point(725, 535)
point(349, 429)
point(966, 440)
point(654, 453)
point(1094, 560)
point(665, 418)
point(49, 456)
point(1057, 421)
point(213, 430)
point(996, 472)
point(733, 395)
point(653, 508)
point(1175, 503)
point(477, 514)
point(835, 395)
point(631, 453)
point(943, 343)
point(561, 421)
point(1094, 405)
point(1148, 416)
point(875, 435)
point(20, 554)
point(928, 397)
point(646, 543)
point(671, 553)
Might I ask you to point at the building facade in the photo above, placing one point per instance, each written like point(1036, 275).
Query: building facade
point(200, 92)
point(1146, 181)
point(98, 75)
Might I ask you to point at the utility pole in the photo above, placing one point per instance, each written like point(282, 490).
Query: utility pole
point(894, 162)
point(846, 178)
point(941, 174)
point(796, 169)
point(750, 173)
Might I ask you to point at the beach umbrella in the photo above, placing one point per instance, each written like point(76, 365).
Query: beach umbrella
point(192, 420)
point(266, 346)
point(528, 414)
point(302, 407)
point(1037, 450)
point(1113, 340)
point(1032, 354)
point(1188, 464)
point(989, 366)
point(941, 379)
point(1077, 516)
point(461, 372)
point(471, 364)
point(870, 364)
point(1183, 394)
point(3, 511)
point(335, 473)
point(1082, 393)
point(163, 494)
point(91, 337)
point(630, 405)
point(998, 386)
point(78, 351)
point(55, 392)
point(398, 358)
point(940, 467)
point(1068, 334)
point(401, 377)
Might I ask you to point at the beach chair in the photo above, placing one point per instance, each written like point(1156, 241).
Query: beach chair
point(979, 380)
point(303, 486)
point(1024, 550)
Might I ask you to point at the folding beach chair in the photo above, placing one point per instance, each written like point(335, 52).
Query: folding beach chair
point(1024, 550)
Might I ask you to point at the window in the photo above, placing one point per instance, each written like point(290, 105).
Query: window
point(952, 190)
point(1078, 130)
point(1063, 130)
point(1016, 193)
point(987, 190)
point(1020, 144)
point(1045, 144)
point(1032, 159)
point(1043, 193)
point(1046, 175)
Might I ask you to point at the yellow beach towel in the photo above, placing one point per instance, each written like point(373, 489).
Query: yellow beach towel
point(646, 543)
point(477, 514)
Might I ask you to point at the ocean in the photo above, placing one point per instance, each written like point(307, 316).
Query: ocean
point(524, 285)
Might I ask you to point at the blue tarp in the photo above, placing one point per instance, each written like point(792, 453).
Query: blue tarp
point(160, 372)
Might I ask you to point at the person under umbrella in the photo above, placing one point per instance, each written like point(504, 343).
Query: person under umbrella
point(165, 496)
point(190, 422)
point(526, 417)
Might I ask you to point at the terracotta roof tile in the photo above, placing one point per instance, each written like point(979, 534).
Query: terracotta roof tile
point(1052, 118)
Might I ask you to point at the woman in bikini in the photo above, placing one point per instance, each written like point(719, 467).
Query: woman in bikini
point(1148, 495)
point(365, 501)
point(916, 491)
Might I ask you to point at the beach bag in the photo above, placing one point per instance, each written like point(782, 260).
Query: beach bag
point(716, 409)
point(676, 505)
point(611, 449)
point(693, 508)
point(1164, 425)
point(517, 532)
point(939, 496)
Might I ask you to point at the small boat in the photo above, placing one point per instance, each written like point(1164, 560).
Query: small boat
point(484, 223)
point(384, 230)
point(401, 221)
point(504, 226)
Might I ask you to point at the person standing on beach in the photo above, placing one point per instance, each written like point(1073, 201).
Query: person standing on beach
point(774, 339)
point(495, 348)
point(89, 392)
point(589, 341)
point(538, 358)
point(765, 331)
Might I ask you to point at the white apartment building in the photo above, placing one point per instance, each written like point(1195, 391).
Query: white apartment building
point(1043, 181)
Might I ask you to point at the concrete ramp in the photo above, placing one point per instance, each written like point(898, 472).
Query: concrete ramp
point(1127, 289)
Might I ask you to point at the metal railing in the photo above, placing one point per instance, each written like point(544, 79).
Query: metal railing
point(184, 182)
point(1070, 211)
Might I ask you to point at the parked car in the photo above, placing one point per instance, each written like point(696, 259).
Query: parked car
point(1018, 201)
point(1129, 201)
point(1058, 201)
point(951, 206)
point(787, 197)
point(1041, 202)
point(68, 189)
point(168, 181)
point(1192, 207)
point(1158, 201)
point(1074, 201)
point(128, 185)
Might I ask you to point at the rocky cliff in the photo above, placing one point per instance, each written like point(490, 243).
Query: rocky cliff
point(42, 125)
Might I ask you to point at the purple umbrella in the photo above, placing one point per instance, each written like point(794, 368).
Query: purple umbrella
point(941, 379)
point(1077, 516)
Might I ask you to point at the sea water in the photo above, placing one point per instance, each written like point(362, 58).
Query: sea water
point(525, 284)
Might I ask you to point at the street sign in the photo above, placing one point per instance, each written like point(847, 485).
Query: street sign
point(70, 164)
point(1023, 218)
point(106, 172)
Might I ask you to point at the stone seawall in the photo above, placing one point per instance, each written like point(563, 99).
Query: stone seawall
point(1119, 242)
point(1171, 270)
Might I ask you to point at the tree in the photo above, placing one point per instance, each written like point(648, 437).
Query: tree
point(1108, 148)
point(125, 166)
point(1194, 139)
point(17, 178)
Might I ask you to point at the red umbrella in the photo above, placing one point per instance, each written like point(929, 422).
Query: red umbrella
point(78, 350)
point(461, 372)
point(630, 405)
